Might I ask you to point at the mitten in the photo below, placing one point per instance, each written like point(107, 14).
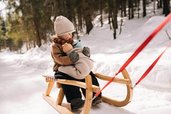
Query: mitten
point(74, 56)
point(86, 51)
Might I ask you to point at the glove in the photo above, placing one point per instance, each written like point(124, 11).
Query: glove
point(74, 56)
point(86, 51)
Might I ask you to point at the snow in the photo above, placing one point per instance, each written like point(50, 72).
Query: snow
point(22, 85)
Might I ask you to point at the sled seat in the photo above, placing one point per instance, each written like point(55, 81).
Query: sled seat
point(64, 108)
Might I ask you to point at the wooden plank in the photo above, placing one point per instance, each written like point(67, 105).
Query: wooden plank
point(60, 97)
point(128, 97)
point(49, 88)
point(117, 80)
point(89, 94)
point(77, 83)
point(59, 108)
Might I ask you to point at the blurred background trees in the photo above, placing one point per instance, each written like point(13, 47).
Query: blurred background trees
point(30, 22)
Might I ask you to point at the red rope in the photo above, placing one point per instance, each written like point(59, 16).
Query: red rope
point(138, 50)
point(98, 92)
point(150, 68)
point(143, 45)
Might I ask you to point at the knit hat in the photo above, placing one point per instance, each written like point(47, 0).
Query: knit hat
point(62, 26)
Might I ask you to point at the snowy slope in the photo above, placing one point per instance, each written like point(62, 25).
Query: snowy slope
point(22, 85)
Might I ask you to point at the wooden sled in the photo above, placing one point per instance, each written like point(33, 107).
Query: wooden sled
point(59, 106)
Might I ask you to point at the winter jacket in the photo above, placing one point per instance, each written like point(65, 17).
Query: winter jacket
point(59, 57)
point(79, 69)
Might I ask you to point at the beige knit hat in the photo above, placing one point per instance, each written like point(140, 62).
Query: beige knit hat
point(62, 26)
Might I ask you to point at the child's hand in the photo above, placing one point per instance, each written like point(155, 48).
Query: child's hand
point(67, 47)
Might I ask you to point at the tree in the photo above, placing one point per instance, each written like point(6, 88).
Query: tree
point(138, 7)
point(19, 44)
point(101, 12)
point(29, 21)
point(2, 33)
point(123, 8)
point(166, 7)
point(1, 44)
point(10, 43)
point(112, 15)
point(144, 8)
point(159, 3)
point(131, 9)
point(3, 28)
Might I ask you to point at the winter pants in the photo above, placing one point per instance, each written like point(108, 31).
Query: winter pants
point(73, 92)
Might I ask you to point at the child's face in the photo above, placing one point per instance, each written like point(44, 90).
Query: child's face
point(67, 38)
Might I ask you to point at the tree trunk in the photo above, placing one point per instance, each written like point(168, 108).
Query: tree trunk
point(114, 17)
point(110, 12)
point(138, 7)
point(131, 9)
point(36, 23)
point(123, 8)
point(38, 38)
point(154, 6)
point(88, 22)
point(166, 7)
point(144, 8)
point(69, 10)
point(101, 12)
point(159, 3)
point(87, 16)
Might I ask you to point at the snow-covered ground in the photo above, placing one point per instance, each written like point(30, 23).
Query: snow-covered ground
point(22, 85)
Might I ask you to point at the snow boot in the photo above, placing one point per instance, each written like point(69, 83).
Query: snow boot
point(77, 104)
point(97, 100)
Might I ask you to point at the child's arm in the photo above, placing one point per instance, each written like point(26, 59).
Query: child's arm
point(68, 49)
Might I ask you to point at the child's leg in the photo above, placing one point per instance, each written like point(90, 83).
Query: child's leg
point(71, 92)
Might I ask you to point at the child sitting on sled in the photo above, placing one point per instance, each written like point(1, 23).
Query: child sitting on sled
point(67, 56)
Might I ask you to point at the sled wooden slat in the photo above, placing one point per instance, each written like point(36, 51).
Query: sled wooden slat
point(89, 95)
point(128, 83)
point(49, 88)
point(77, 83)
point(60, 97)
point(117, 80)
point(59, 108)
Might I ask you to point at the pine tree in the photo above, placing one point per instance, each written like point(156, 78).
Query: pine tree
point(166, 7)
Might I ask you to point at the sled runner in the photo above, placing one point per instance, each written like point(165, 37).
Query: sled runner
point(65, 109)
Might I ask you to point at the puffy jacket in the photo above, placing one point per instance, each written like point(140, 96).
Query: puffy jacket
point(81, 68)
point(60, 58)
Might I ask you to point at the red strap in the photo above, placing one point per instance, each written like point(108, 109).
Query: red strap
point(142, 46)
point(138, 50)
point(150, 68)
point(98, 92)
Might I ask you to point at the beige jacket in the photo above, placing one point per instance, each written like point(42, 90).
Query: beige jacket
point(63, 63)
point(81, 68)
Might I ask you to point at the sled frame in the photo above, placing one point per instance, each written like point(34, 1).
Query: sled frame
point(59, 106)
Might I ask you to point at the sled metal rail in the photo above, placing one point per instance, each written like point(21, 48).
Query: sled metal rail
point(62, 108)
